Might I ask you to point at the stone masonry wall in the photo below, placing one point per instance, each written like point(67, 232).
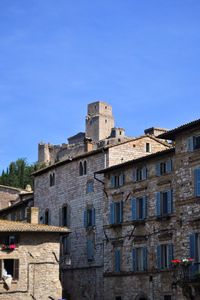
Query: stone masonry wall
point(38, 268)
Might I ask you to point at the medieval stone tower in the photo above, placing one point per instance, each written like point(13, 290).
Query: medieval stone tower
point(99, 121)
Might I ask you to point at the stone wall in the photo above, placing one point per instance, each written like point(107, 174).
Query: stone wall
point(38, 268)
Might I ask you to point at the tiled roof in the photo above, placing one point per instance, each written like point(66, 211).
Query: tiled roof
point(136, 160)
point(171, 134)
point(13, 226)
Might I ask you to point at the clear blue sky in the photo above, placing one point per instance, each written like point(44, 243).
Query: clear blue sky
point(141, 56)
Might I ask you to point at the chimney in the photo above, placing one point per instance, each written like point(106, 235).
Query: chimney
point(155, 131)
point(32, 215)
point(88, 144)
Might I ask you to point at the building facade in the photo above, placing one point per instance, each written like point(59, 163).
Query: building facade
point(68, 195)
point(29, 259)
point(152, 222)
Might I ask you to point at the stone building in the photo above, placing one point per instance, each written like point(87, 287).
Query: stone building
point(151, 217)
point(68, 194)
point(10, 195)
point(29, 259)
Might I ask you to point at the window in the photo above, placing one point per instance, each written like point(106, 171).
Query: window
point(89, 217)
point(167, 297)
point(148, 147)
point(117, 260)
point(139, 174)
point(46, 217)
point(164, 167)
point(65, 250)
point(195, 252)
point(117, 180)
point(90, 249)
point(52, 179)
point(9, 240)
point(164, 256)
point(139, 259)
point(164, 203)
point(116, 212)
point(9, 267)
point(65, 221)
point(197, 182)
point(193, 143)
point(85, 167)
point(90, 187)
point(118, 298)
point(80, 168)
point(139, 208)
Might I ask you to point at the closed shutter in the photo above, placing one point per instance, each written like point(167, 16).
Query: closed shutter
point(93, 217)
point(190, 144)
point(169, 166)
point(121, 212)
point(158, 169)
point(144, 173)
point(194, 252)
point(112, 181)
point(134, 260)
point(170, 254)
point(144, 253)
point(112, 213)
point(16, 269)
point(158, 258)
point(144, 205)
point(85, 218)
point(117, 260)
point(197, 182)
point(121, 179)
point(134, 209)
point(134, 174)
point(158, 204)
point(169, 202)
point(90, 250)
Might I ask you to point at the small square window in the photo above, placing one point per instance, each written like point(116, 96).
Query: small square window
point(148, 147)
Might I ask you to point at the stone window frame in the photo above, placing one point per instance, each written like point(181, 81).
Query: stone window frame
point(52, 179)
point(140, 173)
point(15, 268)
point(164, 255)
point(140, 253)
point(83, 167)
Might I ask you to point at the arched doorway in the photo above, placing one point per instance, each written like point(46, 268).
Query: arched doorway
point(141, 296)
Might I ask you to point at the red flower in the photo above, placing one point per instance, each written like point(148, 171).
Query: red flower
point(176, 261)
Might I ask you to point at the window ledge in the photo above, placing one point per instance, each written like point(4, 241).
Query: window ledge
point(163, 218)
point(138, 222)
point(90, 228)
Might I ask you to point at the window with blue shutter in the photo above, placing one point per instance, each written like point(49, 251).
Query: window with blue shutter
point(164, 256)
point(116, 212)
point(139, 259)
point(134, 211)
point(190, 144)
point(139, 208)
point(121, 179)
point(158, 204)
point(158, 169)
point(144, 253)
point(89, 217)
point(164, 203)
point(117, 260)
point(170, 254)
point(134, 174)
point(90, 250)
point(169, 166)
point(169, 202)
point(194, 252)
point(196, 142)
point(144, 173)
point(197, 182)
point(134, 260)
point(158, 258)
point(112, 181)
point(144, 207)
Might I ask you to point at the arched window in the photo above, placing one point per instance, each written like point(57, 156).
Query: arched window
point(65, 220)
point(46, 217)
point(52, 179)
point(80, 168)
point(85, 167)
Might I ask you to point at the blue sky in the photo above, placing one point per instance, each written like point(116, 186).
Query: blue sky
point(142, 57)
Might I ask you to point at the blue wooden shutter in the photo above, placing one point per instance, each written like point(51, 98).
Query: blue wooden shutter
point(194, 252)
point(121, 179)
point(112, 181)
point(85, 218)
point(170, 254)
point(134, 209)
point(134, 260)
point(117, 260)
point(158, 204)
point(93, 217)
point(134, 174)
point(121, 212)
point(112, 208)
point(144, 253)
point(158, 257)
point(144, 206)
point(190, 144)
point(144, 173)
point(197, 182)
point(169, 202)
point(169, 166)
point(90, 249)
point(158, 169)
